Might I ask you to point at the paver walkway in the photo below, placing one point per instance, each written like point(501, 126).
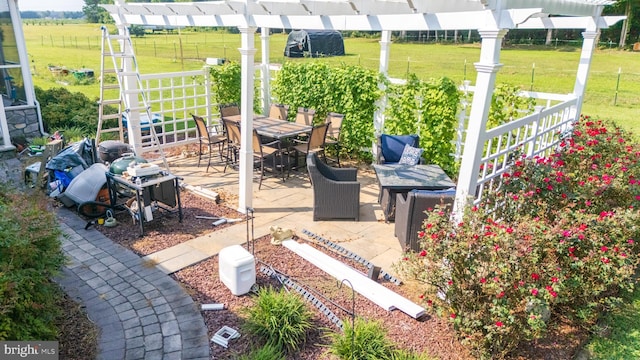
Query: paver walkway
point(142, 313)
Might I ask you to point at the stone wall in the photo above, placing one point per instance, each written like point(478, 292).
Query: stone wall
point(23, 122)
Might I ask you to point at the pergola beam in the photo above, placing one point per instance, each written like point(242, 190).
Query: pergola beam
point(202, 15)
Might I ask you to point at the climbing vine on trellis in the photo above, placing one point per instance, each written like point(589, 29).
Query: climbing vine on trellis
point(427, 108)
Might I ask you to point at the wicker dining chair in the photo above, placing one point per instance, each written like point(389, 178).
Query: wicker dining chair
point(209, 137)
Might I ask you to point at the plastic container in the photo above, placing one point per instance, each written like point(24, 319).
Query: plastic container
point(237, 269)
point(86, 186)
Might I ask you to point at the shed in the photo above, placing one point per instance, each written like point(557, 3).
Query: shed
point(314, 43)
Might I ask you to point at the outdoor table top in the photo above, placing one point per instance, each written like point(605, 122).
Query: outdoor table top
point(237, 118)
point(275, 128)
point(401, 177)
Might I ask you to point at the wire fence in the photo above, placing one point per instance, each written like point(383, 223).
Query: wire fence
point(618, 84)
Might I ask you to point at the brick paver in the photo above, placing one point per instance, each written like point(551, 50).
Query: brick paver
point(141, 312)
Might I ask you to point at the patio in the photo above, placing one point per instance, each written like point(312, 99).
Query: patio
point(288, 205)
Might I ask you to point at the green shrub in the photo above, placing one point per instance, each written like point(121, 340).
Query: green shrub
point(30, 255)
point(281, 318)
point(64, 109)
point(74, 134)
point(267, 352)
point(365, 340)
point(400, 354)
point(566, 243)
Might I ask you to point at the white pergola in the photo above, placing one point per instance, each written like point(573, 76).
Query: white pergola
point(491, 18)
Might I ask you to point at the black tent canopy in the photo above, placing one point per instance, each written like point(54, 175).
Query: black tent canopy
point(314, 43)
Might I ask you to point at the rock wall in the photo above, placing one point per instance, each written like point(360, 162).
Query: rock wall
point(23, 122)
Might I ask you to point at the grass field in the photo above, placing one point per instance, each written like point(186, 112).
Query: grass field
point(541, 69)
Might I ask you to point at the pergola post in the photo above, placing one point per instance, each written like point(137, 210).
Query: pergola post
point(247, 55)
point(265, 74)
point(588, 46)
point(487, 69)
point(378, 117)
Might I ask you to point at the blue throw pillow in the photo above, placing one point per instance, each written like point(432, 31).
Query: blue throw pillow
point(410, 155)
point(392, 146)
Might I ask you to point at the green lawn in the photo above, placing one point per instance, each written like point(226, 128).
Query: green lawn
point(78, 45)
point(624, 341)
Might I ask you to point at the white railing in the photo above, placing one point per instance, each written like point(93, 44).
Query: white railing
point(534, 135)
point(173, 97)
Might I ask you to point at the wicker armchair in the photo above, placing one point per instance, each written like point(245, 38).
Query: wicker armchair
point(411, 212)
point(336, 191)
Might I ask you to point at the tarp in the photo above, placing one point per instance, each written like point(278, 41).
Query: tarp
point(314, 43)
point(77, 154)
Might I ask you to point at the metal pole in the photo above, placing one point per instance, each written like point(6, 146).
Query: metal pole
point(615, 98)
point(464, 76)
point(533, 72)
point(353, 315)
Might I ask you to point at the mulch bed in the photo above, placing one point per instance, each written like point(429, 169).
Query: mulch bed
point(432, 335)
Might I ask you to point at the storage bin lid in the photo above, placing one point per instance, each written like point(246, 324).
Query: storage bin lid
point(235, 254)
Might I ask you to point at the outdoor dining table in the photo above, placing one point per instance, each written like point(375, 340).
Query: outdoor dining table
point(274, 128)
point(396, 179)
point(277, 129)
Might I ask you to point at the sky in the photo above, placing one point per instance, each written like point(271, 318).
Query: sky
point(54, 5)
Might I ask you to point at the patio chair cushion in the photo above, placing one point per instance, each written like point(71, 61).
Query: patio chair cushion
point(392, 146)
point(445, 192)
point(410, 155)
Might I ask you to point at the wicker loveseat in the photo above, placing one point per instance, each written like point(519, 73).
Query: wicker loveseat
point(410, 213)
point(336, 191)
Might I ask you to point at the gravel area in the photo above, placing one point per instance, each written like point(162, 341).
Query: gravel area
point(430, 334)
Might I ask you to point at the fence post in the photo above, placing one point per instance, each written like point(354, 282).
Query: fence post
point(533, 72)
point(464, 75)
point(615, 98)
point(408, 62)
point(175, 52)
